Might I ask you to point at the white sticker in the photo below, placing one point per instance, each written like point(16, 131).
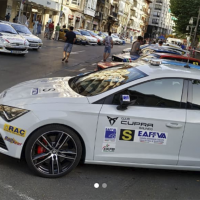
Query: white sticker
point(43, 90)
point(108, 147)
point(110, 134)
point(151, 137)
point(126, 97)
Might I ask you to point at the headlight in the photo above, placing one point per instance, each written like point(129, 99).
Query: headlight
point(9, 113)
point(26, 43)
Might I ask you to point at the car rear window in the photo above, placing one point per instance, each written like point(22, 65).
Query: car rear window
point(98, 82)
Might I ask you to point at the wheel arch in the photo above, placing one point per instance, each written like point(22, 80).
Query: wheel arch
point(81, 139)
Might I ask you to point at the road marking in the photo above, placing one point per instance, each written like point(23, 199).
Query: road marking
point(82, 69)
point(109, 57)
point(73, 53)
point(15, 192)
point(94, 63)
point(48, 74)
point(80, 51)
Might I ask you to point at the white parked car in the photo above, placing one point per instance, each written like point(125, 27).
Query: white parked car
point(136, 115)
point(99, 38)
point(116, 39)
point(11, 41)
point(34, 41)
point(90, 40)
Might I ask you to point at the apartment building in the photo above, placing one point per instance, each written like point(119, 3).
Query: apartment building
point(160, 21)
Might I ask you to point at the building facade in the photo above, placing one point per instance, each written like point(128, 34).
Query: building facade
point(160, 21)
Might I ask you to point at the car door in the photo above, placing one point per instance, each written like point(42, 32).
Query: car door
point(190, 148)
point(148, 132)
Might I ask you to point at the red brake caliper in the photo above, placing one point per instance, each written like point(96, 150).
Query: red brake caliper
point(41, 149)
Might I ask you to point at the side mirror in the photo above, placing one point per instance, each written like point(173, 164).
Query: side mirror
point(125, 102)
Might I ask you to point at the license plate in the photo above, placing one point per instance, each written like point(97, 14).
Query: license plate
point(33, 45)
point(15, 51)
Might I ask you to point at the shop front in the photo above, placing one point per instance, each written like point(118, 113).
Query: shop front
point(88, 22)
point(95, 25)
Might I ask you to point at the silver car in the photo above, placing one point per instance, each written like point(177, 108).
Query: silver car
point(34, 41)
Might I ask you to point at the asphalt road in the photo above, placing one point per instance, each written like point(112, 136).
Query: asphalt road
point(17, 181)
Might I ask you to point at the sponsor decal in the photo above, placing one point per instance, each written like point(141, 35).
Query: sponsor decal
point(110, 134)
point(106, 147)
point(112, 120)
point(12, 141)
point(141, 125)
point(14, 130)
point(126, 135)
point(151, 137)
point(44, 90)
point(126, 98)
point(34, 91)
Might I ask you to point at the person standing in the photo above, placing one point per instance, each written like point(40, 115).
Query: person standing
point(35, 24)
point(51, 30)
point(108, 41)
point(131, 39)
point(7, 17)
point(70, 40)
point(39, 27)
point(135, 50)
point(46, 32)
point(57, 31)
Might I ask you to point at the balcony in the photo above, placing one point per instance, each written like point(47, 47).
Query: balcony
point(158, 8)
point(101, 1)
point(99, 15)
point(159, 1)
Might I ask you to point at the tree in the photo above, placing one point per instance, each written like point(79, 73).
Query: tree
point(183, 10)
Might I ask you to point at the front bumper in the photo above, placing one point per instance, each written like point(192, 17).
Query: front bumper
point(14, 49)
point(12, 144)
point(92, 43)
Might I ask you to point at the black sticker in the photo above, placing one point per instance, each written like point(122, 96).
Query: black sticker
point(126, 135)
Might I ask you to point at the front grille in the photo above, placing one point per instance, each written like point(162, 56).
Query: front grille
point(15, 49)
point(2, 143)
point(117, 59)
point(33, 42)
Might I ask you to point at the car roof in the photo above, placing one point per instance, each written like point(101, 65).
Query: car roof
point(168, 55)
point(166, 70)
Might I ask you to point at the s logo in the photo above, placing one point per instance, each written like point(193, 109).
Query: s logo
point(126, 135)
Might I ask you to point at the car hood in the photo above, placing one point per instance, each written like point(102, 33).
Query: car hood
point(30, 37)
point(90, 38)
point(12, 38)
point(47, 90)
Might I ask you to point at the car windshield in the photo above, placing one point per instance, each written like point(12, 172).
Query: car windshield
point(98, 82)
point(77, 33)
point(85, 33)
point(6, 28)
point(114, 36)
point(21, 29)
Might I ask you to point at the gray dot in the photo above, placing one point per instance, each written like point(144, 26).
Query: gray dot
point(104, 185)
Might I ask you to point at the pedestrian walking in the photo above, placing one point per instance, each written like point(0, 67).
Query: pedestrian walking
point(39, 28)
point(131, 39)
point(35, 23)
point(135, 50)
point(70, 40)
point(15, 20)
point(57, 32)
point(46, 32)
point(51, 30)
point(108, 41)
point(7, 17)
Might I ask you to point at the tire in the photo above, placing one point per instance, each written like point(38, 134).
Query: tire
point(53, 151)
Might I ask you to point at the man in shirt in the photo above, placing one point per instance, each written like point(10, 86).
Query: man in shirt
point(57, 31)
point(7, 17)
point(51, 29)
point(108, 45)
point(70, 40)
point(135, 50)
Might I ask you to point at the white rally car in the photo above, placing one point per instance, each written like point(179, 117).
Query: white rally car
point(34, 41)
point(136, 115)
point(90, 40)
point(11, 41)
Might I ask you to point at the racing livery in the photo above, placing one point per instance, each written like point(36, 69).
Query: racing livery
point(11, 41)
point(139, 114)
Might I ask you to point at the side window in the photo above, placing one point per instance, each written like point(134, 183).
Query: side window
point(166, 93)
point(196, 94)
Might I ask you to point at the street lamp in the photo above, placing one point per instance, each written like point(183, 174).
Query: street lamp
point(190, 28)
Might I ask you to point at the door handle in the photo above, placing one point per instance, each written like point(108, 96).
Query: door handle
point(174, 125)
